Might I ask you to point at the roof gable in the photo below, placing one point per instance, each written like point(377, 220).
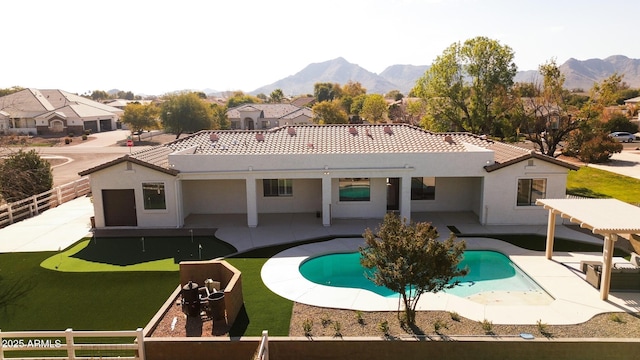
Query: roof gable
point(130, 159)
point(531, 155)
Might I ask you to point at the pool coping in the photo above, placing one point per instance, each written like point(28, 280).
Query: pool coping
point(575, 301)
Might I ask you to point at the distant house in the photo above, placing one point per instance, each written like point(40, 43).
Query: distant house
point(633, 105)
point(304, 101)
point(267, 116)
point(325, 171)
point(47, 112)
point(122, 103)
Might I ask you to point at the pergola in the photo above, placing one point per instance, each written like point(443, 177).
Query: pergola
point(606, 217)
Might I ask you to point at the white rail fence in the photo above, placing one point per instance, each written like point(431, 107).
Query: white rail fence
point(34, 205)
point(72, 345)
point(263, 350)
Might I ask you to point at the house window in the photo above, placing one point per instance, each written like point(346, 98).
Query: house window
point(153, 194)
point(423, 188)
point(354, 189)
point(530, 190)
point(277, 187)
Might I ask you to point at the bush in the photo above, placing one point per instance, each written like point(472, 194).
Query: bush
point(620, 122)
point(307, 326)
point(67, 140)
point(599, 149)
point(84, 137)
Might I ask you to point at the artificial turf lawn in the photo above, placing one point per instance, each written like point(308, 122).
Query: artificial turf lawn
point(80, 300)
point(596, 183)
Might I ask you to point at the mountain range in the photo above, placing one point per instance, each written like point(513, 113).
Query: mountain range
point(579, 74)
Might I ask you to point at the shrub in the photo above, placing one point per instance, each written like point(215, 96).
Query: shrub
point(455, 316)
point(307, 326)
point(439, 324)
point(383, 326)
point(325, 320)
point(487, 326)
point(359, 318)
point(71, 134)
point(616, 318)
point(542, 327)
point(84, 137)
point(599, 149)
point(67, 140)
point(337, 329)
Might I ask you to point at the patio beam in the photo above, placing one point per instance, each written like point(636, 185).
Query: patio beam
point(551, 232)
point(607, 259)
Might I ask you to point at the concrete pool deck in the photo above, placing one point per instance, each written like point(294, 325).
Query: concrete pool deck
point(574, 300)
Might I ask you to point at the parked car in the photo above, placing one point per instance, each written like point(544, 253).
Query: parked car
point(622, 136)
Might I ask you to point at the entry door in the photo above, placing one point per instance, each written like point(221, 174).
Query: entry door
point(119, 207)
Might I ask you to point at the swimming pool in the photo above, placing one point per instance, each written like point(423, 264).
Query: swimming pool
point(489, 271)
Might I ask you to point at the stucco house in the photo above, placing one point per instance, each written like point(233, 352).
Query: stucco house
point(330, 171)
point(267, 116)
point(48, 112)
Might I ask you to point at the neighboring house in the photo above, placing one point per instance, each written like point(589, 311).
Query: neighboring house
point(267, 116)
point(49, 112)
point(633, 105)
point(330, 171)
point(122, 103)
point(304, 101)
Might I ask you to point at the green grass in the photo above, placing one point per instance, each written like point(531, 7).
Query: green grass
point(539, 243)
point(108, 284)
point(80, 300)
point(595, 183)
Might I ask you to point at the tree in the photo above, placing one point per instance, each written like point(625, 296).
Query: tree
point(219, 117)
point(326, 91)
point(329, 112)
point(239, 98)
point(353, 89)
point(408, 259)
point(24, 174)
point(465, 86)
point(374, 108)
point(100, 95)
point(396, 95)
point(276, 96)
point(141, 117)
point(547, 118)
point(11, 90)
point(185, 112)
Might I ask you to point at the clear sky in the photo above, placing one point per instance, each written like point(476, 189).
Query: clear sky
point(154, 47)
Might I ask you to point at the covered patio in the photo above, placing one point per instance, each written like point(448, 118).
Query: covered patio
point(609, 218)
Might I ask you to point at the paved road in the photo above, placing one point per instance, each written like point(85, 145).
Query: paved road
point(79, 156)
point(625, 163)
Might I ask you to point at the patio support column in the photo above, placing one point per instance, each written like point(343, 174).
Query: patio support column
point(551, 233)
point(405, 197)
point(607, 257)
point(252, 206)
point(326, 199)
point(179, 203)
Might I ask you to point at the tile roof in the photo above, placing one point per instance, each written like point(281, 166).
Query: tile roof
point(269, 111)
point(337, 139)
point(329, 139)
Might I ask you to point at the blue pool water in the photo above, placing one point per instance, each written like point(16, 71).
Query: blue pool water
point(488, 271)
